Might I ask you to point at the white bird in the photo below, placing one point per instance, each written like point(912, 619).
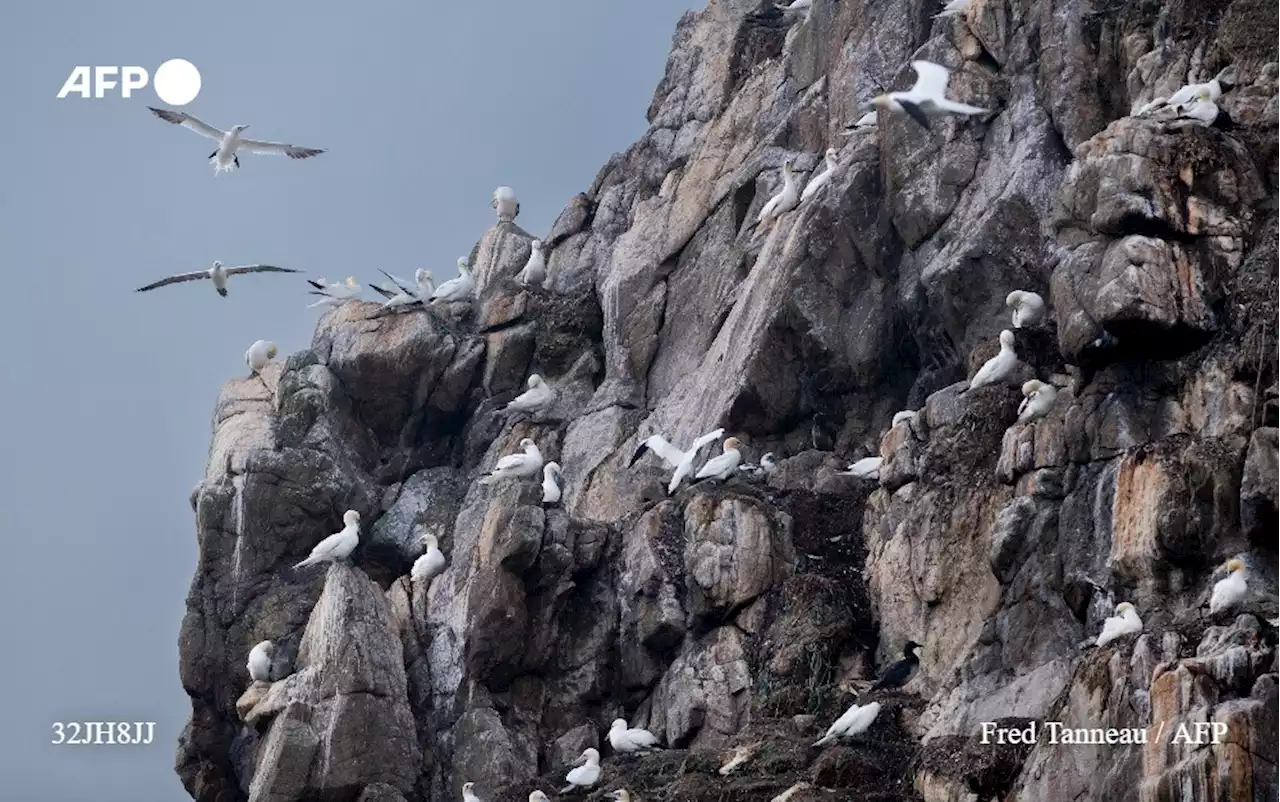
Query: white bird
point(586, 773)
point(219, 274)
point(430, 564)
point(928, 96)
point(1211, 89)
point(1027, 306)
point(620, 795)
point(954, 8)
point(682, 461)
point(798, 7)
point(337, 546)
point(768, 464)
point(631, 739)
point(1229, 592)
point(865, 468)
point(869, 120)
point(538, 796)
point(551, 478)
point(538, 398)
point(786, 795)
point(468, 793)
point(230, 144)
point(535, 270)
point(1199, 109)
point(1038, 399)
point(823, 178)
point(456, 289)
point(260, 661)
point(1124, 622)
point(904, 415)
point(999, 367)
point(520, 466)
point(335, 294)
point(259, 354)
point(854, 721)
point(787, 198)
point(723, 466)
point(505, 203)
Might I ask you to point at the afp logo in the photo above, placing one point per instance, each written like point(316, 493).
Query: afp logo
point(177, 82)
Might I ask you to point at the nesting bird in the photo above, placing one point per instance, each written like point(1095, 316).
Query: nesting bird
point(539, 397)
point(1229, 592)
point(260, 661)
point(230, 144)
point(768, 464)
point(865, 468)
point(430, 564)
point(620, 795)
point(784, 201)
point(998, 368)
point(406, 293)
point(468, 793)
point(259, 354)
point(505, 203)
point(1038, 399)
point(535, 270)
point(682, 461)
point(1211, 90)
point(335, 294)
point(456, 289)
point(626, 739)
point(586, 773)
point(338, 546)
point(1124, 622)
point(723, 466)
point(926, 98)
point(823, 178)
point(517, 466)
point(1200, 109)
point(854, 721)
point(1027, 306)
point(551, 479)
point(219, 274)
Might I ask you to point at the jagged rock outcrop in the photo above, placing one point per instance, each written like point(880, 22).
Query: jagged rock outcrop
point(745, 614)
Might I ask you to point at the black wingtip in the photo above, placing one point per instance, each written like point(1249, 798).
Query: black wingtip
point(223, 292)
point(915, 113)
point(639, 453)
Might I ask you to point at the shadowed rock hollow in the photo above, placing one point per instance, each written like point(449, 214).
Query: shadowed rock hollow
point(745, 615)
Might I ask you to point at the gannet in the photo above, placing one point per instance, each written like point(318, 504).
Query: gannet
point(954, 8)
point(230, 145)
point(430, 564)
point(626, 739)
point(551, 479)
point(865, 468)
point(1229, 592)
point(1027, 306)
point(538, 398)
point(999, 367)
point(620, 795)
point(768, 463)
point(505, 203)
point(1038, 399)
point(259, 354)
point(535, 270)
point(336, 294)
point(1211, 89)
point(740, 755)
point(786, 795)
point(869, 120)
point(854, 721)
point(538, 796)
point(723, 466)
point(1199, 109)
point(520, 466)
point(682, 461)
point(904, 415)
point(823, 178)
point(586, 773)
point(798, 7)
point(468, 793)
point(260, 661)
point(219, 274)
point(926, 97)
point(898, 672)
point(1124, 622)
point(787, 198)
point(336, 546)
point(456, 289)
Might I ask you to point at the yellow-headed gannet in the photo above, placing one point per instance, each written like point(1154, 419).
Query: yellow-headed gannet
point(537, 796)
point(1211, 90)
point(682, 461)
point(787, 198)
point(430, 564)
point(786, 795)
point(626, 739)
point(1229, 592)
point(260, 661)
point(469, 793)
point(725, 465)
point(406, 293)
point(1199, 109)
point(505, 203)
point(551, 478)
point(337, 546)
point(586, 773)
point(1124, 622)
point(928, 96)
point(854, 721)
point(456, 289)
point(535, 270)
point(538, 398)
point(1027, 306)
point(259, 354)
point(955, 8)
point(865, 468)
point(219, 274)
point(905, 415)
point(768, 463)
point(823, 178)
point(620, 795)
point(335, 294)
point(226, 157)
point(1038, 399)
point(520, 466)
point(998, 368)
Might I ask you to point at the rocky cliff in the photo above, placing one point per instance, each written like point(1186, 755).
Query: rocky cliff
point(741, 615)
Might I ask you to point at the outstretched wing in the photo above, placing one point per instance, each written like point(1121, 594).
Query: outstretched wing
point(199, 274)
point(383, 291)
point(915, 112)
point(277, 149)
point(235, 271)
point(665, 451)
point(399, 282)
point(188, 122)
point(931, 79)
point(709, 437)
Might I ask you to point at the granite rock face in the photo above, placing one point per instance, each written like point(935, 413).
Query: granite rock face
point(745, 615)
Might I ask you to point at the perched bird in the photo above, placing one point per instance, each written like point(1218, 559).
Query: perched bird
point(551, 478)
point(898, 672)
point(768, 464)
point(586, 773)
point(823, 178)
point(928, 96)
point(865, 468)
point(723, 466)
point(336, 294)
point(259, 354)
point(998, 368)
point(336, 546)
point(406, 293)
point(219, 274)
point(904, 415)
point(519, 466)
point(631, 739)
point(430, 564)
point(854, 721)
point(1229, 592)
point(539, 397)
point(468, 793)
point(955, 8)
point(1199, 109)
point(260, 661)
point(1038, 399)
point(1124, 622)
point(1211, 90)
point(505, 203)
point(1027, 306)
point(226, 157)
point(620, 795)
point(682, 461)
point(535, 270)
point(787, 198)
point(798, 8)
point(461, 288)
point(869, 120)
point(538, 796)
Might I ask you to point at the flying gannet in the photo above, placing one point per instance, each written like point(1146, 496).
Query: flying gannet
point(520, 466)
point(787, 198)
point(219, 274)
point(230, 145)
point(430, 564)
point(928, 96)
point(865, 468)
point(505, 203)
point(1038, 399)
point(899, 671)
point(768, 463)
point(854, 721)
point(535, 270)
point(998, 368)
point(626, 739)
point(1027, 306)
point(682, 461)
point(335, 294)
point(955, 8)
point(337, 546)
point(538, 398)
point(1124, 622)
point(469, 793)
point(551, 478)
point(259, 354)
point(823, 178)
point(260, 661)
point(586, 773)
point(723, 466)
point(1229, 592)
point(456, 289)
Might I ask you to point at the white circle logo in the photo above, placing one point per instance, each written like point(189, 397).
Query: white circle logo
point(177, 82)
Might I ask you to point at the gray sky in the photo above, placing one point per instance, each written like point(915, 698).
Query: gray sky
point(108, 393)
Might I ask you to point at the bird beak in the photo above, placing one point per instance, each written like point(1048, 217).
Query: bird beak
point(581, 759)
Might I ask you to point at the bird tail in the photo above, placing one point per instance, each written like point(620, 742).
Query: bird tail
point(826, 739)
point(304, 563)
point(222, 291)
point(488, 479)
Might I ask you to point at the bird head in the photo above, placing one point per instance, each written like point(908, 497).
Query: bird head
point(268, 647)
point(1124, 607)
point(422, 275)
point(769, 457)
point(351, 282)
point(910, 647)
point(621, 795)
point(468, 787)
point(1006, 339)
point(1234, 565)
point(589, 755)
point(463, 264)
point(1031, 386)
point(1013, 298)
point(527, 443)
point(732, 444)
point(430, 540)
point(272, 350)
point(351, 517)
point(877, 102)
point(536, 244)
point(538, 796)
point(787, 165)
point(235, 129)
point(832, 155)
point(552, 467)
point(618, 724)
point(534, 380)
point(216, 264)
